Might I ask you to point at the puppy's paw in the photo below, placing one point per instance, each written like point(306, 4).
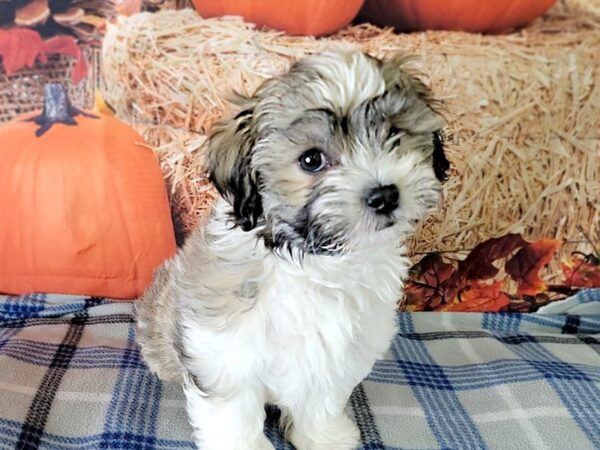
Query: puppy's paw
point(339, 433)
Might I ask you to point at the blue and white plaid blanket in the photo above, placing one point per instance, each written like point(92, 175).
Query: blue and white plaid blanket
point(71, 378)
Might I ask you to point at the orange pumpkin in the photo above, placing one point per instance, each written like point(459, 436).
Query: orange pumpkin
point(303, 17)
point(127, 7)
point(84, 207)
point(487, 16)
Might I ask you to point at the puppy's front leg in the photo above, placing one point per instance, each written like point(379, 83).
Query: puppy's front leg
point(234, 422)
point(316, 428)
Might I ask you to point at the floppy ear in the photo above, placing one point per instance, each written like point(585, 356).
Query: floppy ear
point(424, 114)
point(230, 149)
point(440, 162)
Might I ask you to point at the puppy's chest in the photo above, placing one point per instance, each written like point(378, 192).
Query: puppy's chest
point(341, 319)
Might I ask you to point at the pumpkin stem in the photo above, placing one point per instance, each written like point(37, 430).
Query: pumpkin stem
point(57, 109)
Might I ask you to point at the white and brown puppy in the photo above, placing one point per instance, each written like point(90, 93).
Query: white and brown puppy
point(287, 294)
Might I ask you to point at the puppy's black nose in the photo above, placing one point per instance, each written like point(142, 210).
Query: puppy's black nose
point(384, 199)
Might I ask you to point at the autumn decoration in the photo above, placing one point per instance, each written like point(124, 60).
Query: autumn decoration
point(307, 17)
point(461, 15)
point(22, 47)
point(33, 30)
point(84, 206)
point(500, 274)
point(81, 19)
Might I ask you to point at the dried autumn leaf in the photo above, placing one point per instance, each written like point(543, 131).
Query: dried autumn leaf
point(67, 45)
point(412, 307)
point(19, 47)
point(424, 291)
point(524, 267)
point(581, 273)
point(479, 298)
point(434, 271)
point(420, 298)
point(478, 263)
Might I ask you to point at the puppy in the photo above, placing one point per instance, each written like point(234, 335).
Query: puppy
point(288, 293)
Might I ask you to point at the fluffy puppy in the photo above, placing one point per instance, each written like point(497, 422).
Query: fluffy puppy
point(287, 294)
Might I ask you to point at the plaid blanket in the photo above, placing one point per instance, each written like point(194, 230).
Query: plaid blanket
point(71, 377)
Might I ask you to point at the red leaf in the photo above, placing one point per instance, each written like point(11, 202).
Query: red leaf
point(478, 264)
point(19, 47)
point(66, 45)
point(417, 298)
point(433, 270)
point(425, 290)
point(480, 298)
point(580, 273)
point(525, 266)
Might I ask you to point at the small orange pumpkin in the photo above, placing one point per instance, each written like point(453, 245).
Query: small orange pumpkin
point(127, 7)
point(84, 207)
point(487, 16)
point(299, 17)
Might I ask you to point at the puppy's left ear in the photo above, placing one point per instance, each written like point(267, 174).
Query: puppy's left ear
point(229, 155)
point(441, 165)
point(420, 110)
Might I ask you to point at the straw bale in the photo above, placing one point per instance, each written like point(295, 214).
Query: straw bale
point(523, 110)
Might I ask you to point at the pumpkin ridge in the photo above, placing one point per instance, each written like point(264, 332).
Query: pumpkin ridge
point(34, 196)
point(125, 224)
point(105, 257)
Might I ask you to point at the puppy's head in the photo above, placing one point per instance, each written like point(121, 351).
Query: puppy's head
point(341, 150)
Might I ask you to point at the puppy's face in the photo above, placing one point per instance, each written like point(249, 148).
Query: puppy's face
point(340, 151)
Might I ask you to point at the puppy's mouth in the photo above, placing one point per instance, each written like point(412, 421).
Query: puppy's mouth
point(385, 224)
point(320, 242)
point(331, 235)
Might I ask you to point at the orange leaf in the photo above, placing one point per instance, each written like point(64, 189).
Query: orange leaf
point(580, 273)
point(66, 45)
point(525, 266)
point(479, 298)
point(19, 47)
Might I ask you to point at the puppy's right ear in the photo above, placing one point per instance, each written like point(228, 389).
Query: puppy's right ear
point(230, 150)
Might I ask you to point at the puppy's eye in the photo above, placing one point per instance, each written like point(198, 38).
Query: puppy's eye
point(313, 160)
